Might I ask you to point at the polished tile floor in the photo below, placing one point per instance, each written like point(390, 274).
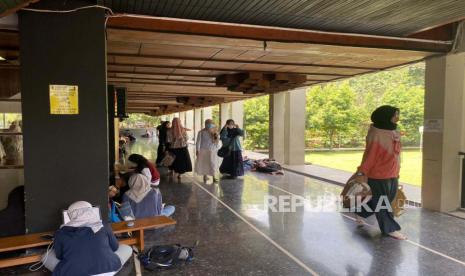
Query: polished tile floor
point(238, 235)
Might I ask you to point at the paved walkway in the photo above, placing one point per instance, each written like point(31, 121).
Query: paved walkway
point(335, 176)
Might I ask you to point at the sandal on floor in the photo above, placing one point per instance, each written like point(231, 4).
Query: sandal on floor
point(397, 235)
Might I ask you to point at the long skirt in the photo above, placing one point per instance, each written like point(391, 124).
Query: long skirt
point(160, 153)
point(182, 163)
point(233, 164)
point(207, 162)
point(382, 188)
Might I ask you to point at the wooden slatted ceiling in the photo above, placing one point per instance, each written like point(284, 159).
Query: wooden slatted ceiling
point(152, 63)
point(156, 64)
point(10, 6)
point(380, 17)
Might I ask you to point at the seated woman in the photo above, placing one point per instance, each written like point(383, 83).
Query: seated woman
point(145, 201)
point(145, 167)
point(84, 246)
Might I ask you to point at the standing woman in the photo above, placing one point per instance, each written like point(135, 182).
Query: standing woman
point(162, 131)
point(206, 146)
point(380, 168)
point(232, 164)
point(177, 139)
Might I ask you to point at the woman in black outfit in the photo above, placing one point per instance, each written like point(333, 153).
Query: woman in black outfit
point(162, 141)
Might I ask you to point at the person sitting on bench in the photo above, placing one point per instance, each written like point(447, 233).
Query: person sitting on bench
point(145, 201)
point(84, 246)
point(145, 167)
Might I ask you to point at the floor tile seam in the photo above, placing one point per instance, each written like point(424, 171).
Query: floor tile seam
point(372, 226)
point(270, 240)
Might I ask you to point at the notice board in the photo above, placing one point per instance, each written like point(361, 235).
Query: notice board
point(63, 99)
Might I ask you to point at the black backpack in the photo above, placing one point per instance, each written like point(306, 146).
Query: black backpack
point(166, 256)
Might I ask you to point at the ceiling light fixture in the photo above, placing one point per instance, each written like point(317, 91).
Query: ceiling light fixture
point(2, 58)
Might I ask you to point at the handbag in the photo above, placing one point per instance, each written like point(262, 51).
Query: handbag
point(225, 150)
point(399, 202)
point(168, 159)
point(352, 190)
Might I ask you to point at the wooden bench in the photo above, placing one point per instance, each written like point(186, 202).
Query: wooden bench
point(35, 240)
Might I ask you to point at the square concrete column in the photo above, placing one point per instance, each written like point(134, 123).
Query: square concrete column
point(237, 112)
point(182, 118)
point(197, 122)
point(276, 128)
point(61, 165)
point(207, 113)
point(444, 132)
point(294, 128)
point(190, 123)
point(287, 127)
point(225, 113)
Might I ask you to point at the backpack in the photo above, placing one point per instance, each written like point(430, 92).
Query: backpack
point(166, 256)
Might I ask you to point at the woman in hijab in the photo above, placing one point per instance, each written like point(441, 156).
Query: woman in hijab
point(177, 139)
point(233, 163)
point(380, 168)
point(146, 168)
point(206, 146)
point(144, 200)
point(84, 246)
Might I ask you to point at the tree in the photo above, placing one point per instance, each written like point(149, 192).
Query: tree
point(137, 120)
point(331, 111)
point(410, 101)
point(256, 123)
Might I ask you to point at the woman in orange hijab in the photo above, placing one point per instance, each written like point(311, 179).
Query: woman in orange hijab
point(177, 139)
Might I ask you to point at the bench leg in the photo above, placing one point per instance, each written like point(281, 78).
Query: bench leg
point(139, 235)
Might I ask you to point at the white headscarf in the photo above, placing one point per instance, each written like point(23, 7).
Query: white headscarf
point(139, 187)
point(81, 215)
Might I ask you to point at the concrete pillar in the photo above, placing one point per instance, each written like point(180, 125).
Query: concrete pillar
point(287, 127)
point(225, 113)
point(207, 113)
point(444, 132)
point(190, 123)
point(197, 122)
point(76, 57)
point(294, 129)
point(276, 128)
point(182, 118)
point(237, 112)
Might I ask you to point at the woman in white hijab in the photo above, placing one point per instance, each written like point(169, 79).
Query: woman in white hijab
point(84, 246)
point(145, 201)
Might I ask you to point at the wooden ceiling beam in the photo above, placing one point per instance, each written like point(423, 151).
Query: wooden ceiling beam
point(160, 74)
point(160, 83)
point(266, 33)
point(198, 69)
point(170, 95)
point(310, 77)
point(157, 80)
point(255, 62)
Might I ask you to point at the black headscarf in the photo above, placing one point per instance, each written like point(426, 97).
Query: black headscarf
point(140, 161)
point(382, 116)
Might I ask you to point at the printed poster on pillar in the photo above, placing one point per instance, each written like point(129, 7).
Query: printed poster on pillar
point(64, 99)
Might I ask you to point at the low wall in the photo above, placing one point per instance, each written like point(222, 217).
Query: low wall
point(9, 179)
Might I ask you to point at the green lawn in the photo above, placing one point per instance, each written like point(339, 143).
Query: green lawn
point(410, 171)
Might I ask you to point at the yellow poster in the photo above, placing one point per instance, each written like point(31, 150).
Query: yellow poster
point(63, 99)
